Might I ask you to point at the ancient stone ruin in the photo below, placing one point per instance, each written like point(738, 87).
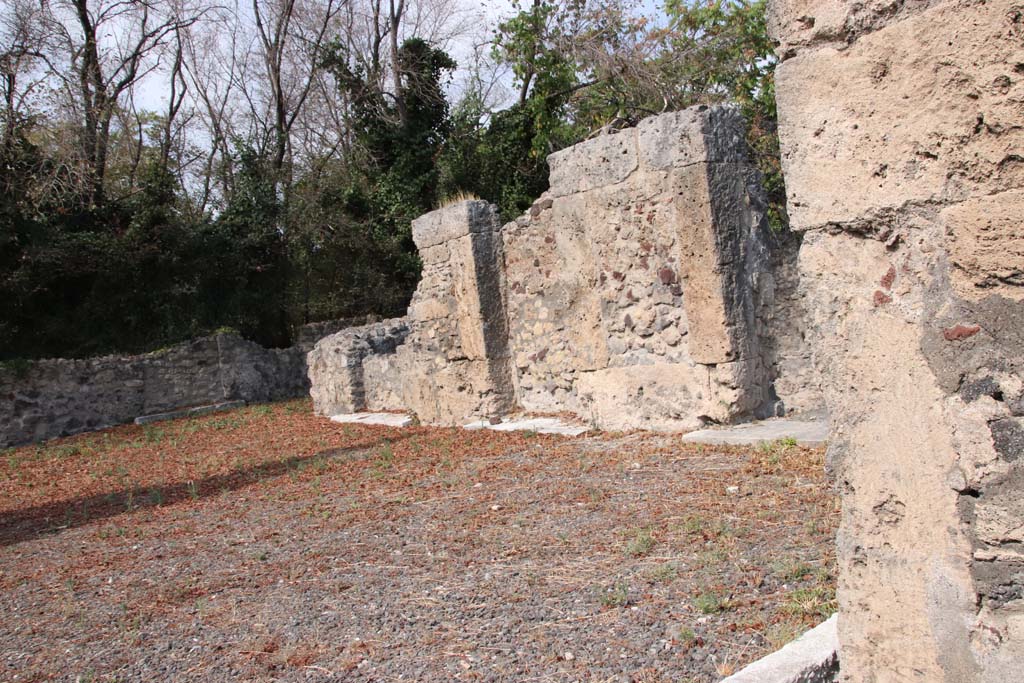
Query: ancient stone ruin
point(643, 290)
point(902, 129)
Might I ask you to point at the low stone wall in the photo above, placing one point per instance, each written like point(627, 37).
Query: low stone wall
point(56, 397)
point(643, 290)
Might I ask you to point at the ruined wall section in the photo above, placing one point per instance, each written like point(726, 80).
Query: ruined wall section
point(58, 397)
point(637, 293)
point(455, 364)
point(633, 283)
point(447, 360)
point(350, 370)
point(901, 129)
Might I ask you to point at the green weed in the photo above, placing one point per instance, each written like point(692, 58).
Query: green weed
point(641, 543)
point(616, 595)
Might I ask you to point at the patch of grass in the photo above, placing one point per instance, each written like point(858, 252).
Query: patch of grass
point(791, 570)
point(641, 543)
point(815, 601)
point(385, 461)
point(687, 636)
point(153, 434)
point(692, 524)
point(665, 572)
point(64, 451)
point(712, 602)
point(224, 423)
point(260, 411)
point(712, 558)
point(783, 632)
point(458, 197)
point(723, 529)
point(616, 595)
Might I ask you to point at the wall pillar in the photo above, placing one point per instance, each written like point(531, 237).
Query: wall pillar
point(903, 151)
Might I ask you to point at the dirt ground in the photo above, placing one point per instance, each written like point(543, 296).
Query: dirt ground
point(268, 544)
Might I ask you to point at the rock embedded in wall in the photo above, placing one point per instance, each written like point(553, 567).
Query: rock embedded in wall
point(901, 139)
point(336, 367)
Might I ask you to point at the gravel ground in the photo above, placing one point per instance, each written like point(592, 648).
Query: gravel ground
point(268, 544)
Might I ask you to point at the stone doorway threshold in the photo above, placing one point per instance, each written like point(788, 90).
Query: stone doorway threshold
point(385, 419)
point(811, 658)
point(541, 425)
point(810, 431)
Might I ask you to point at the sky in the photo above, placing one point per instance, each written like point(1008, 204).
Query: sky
point(153, 92)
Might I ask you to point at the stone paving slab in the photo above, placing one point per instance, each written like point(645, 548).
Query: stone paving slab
point(541, 425)
point(188, 412)
point(386, 419)
point(806, 432)
point(811, 658)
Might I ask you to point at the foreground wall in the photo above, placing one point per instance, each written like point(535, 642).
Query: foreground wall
point(56, 397)
point(638, 292)
point(903, 150)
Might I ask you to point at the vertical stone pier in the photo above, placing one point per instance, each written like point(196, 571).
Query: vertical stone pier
point(456, 361)
point(902, 129)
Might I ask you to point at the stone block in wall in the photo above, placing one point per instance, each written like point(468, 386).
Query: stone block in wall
point(451, 392)
point(662, 397)
point(598, 162)
point(925, 111)
point(901, 148)
point(701, 134)
point(799, 23)
point(451, 222)
point(985, 239)
point(783, 326)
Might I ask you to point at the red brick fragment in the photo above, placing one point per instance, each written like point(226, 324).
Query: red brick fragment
point(958, 332)
point(667, 276)
point(881, 298)
point(889, 277)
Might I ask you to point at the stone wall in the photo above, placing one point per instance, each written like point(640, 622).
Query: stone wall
point(903, 151)
point(633, 284)
point(638, 292)
point(447, 360)
point(57, 397)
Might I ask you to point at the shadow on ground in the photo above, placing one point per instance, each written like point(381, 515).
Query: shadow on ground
point(29, 523)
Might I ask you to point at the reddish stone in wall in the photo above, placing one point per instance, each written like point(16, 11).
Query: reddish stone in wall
point(958, 332)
